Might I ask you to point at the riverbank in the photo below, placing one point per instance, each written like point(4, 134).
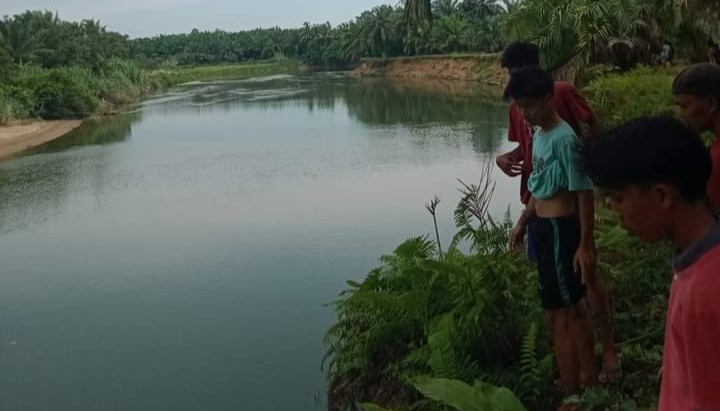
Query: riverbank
point(30, 116)
point(483, 68)
point(19, 136)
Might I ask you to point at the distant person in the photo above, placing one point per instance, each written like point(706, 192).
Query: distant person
point(696, 91)
point(713, 52)
point(667, 54)
point(654, 172)
point(562, 207)
point(574, 110)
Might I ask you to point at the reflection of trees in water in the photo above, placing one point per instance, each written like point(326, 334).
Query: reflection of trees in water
point(35, 188)
point(374, 102)
point(106, 130)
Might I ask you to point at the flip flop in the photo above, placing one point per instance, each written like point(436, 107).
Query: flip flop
point(610, 375)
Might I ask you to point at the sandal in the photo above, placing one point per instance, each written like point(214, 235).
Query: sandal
point(610, 375)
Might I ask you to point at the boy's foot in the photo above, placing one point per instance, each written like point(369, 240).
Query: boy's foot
point(610, 375)
point(610, 371)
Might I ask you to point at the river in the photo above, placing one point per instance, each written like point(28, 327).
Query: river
point(179, 256)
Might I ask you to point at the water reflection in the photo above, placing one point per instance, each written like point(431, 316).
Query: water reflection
point(103, 131)
point(372, 101)
point(35, 188)
point(465, 107)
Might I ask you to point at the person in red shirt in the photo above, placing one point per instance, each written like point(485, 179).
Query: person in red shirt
point(654, 171)
point(696, 91)
point(574, 110)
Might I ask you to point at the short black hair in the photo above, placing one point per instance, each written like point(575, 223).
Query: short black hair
point(646, 151)
point(699, 80)
point(520, 54)
point(529, 82)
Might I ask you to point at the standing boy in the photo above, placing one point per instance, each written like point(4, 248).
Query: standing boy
point(562, 209)
point(574, 110)
point(654, 171)
point(696, 91)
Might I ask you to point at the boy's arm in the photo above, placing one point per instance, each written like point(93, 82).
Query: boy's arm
point(511, 162)
point(581, 111)
point(579, 184)
point(594, 126)
point(584, 261)
point(518, 233)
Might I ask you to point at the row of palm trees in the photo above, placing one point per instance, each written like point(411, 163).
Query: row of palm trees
point(416, 26)
point(565, 30)
point(42, 38)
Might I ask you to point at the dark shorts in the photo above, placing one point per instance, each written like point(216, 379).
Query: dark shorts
point(530, 247)
point(555, 242)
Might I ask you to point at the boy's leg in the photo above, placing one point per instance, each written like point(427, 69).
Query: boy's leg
point(599, 302)
point(582, 327)
point(561, 323)
point(555, 242)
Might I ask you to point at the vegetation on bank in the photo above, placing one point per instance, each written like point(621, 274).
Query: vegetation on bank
point(51, 69)
point(468, 312)
point(84, 68)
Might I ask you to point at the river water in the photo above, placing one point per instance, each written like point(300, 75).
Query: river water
point(178, 257)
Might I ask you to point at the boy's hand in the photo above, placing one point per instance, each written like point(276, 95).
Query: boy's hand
point(584, 261)
point(517, 236)
point(509, 166)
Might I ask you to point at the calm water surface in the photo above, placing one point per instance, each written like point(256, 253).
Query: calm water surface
point(178, 257)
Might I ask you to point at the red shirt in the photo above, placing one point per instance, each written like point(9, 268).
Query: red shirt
point(713, 187)
point(691, 358)
point(571, 107)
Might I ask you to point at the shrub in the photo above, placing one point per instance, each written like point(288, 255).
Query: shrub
point(620, 98)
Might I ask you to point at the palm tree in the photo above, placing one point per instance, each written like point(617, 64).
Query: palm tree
point(443, 8)
point(449, 33)
point(18, 41)
point(569, 29)
point(418, 13)
point(379, 28)
point(483, 8)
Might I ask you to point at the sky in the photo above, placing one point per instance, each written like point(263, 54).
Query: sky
point(140, 18)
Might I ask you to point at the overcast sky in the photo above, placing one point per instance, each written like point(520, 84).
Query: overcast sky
point(149, 17)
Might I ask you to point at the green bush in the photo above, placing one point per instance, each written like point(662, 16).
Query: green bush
point(619, 98)
point(67, 92)
point(14, 104)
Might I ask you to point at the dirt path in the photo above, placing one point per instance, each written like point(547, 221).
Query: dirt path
point(17, 137)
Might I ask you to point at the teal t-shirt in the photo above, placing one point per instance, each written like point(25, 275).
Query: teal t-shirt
point(556, 163)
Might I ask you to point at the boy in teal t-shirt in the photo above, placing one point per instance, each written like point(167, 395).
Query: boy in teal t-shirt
point(562, 205)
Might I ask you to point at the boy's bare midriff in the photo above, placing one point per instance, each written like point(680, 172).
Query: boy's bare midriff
point(562, 204)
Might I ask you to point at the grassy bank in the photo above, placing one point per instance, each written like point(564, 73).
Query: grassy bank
point(168, 77)
point(76, 92)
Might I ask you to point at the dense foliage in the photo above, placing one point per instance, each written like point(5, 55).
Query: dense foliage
point(641, 92)
point(52, 68)
point(473, 315)
point(622, 31)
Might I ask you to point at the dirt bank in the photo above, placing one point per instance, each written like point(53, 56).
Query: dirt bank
point(476, 67)
point(20, 136)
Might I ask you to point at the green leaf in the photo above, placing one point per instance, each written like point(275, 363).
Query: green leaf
point(454, 393)
point(371, 407)
point(459, 395)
